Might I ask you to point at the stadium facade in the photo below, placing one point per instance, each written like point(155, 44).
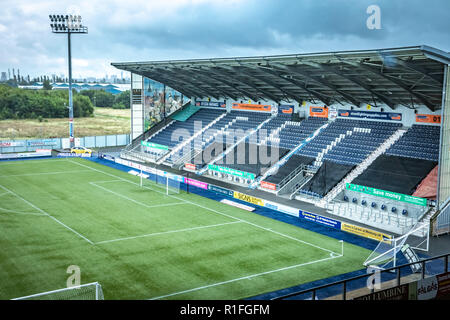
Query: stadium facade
point(364, 136)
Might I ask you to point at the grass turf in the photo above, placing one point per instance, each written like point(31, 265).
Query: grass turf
point(140, 243)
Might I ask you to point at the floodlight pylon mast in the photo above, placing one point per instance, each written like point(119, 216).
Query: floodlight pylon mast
point(68, 24)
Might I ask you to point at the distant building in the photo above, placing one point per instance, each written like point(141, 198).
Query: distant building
point(3, 77)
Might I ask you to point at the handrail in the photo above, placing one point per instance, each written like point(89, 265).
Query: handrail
point(345, 281)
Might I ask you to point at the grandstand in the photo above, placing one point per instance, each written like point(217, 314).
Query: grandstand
point(326, 121)
point(345, 152)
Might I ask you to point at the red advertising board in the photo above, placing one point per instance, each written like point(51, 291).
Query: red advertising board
point(190, 166)
point(268, 185)
point(321, 112)
point(254, 107)
point(428, 118)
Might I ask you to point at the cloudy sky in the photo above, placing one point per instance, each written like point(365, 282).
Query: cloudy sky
point(144, 30)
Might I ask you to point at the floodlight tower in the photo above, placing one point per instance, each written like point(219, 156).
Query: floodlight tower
point(68, 24)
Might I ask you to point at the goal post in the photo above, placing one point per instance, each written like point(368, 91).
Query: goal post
point(89, 291)
point(417, 238)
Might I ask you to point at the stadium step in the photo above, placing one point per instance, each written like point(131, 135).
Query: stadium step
point(283, 160)
point(361, 167)
point(185, 142)
point(201, 171)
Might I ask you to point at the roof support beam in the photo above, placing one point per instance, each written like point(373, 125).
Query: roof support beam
point(177, 84)
point(245, 83)
point(352, 79)
point(322, 82)
point(188, 81)
point(210, 78)
point(301, 85)
point(286, 92)
point(244, 93)
point(412, 66)
point(396, 82)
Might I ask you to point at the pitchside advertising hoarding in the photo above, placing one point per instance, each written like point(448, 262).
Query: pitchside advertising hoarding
point(387, 194)
point(431, 288)
point(385, 116)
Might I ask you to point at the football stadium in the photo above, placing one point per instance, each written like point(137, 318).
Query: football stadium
point(304, 176)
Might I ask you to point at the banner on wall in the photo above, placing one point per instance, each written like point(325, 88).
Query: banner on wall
point(428, 118)
point(211, 104)
point(319, 219)
point(247, 198)
point(365, 232)
point(387, 194)
point(321, 112)
point(221, 191)
point(154, 145)
point(234, 172)
point(6, 144)
point(268, 185)
point(253, 107)
point(387, 116)
point(285, 108)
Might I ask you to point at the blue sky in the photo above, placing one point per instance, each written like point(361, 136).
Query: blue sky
point(143, 30)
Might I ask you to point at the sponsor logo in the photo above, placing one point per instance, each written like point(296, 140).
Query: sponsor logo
point(247, 198)
point(268, 185)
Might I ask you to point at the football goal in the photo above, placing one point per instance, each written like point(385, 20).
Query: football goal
point(167, 184)
point(90, 291)
point(385, 254)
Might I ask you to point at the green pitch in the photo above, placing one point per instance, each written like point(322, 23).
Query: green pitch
point(140, 243)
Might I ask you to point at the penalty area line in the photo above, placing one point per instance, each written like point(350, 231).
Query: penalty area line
point(168, 232)
point(212, 210)
point(45, 213)
point(243, 278)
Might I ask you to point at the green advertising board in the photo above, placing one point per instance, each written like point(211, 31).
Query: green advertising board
point(154, 145)
point(387, 194)
point(234, 172)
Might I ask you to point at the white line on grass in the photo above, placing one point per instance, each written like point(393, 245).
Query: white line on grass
point(333, 255)
point(206, 208)
point(21, 212)
point(135, 201)
point(43, 173)
point(167, 232)
point(45, 213)
point(243, 278)
point(29, 161)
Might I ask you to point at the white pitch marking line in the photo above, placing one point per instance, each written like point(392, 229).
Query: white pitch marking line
point(21, 212)
point(206, 208)
point(43, 173)
point(243, 278)
point(28, 161)
point(45, 213)
point(135, 201)
point(167, 232)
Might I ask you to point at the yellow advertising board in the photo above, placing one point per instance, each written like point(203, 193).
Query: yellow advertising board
point(249, 199)
point(364, 232)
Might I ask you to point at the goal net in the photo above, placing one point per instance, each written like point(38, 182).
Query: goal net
point(167, 184)
point(385, 254)
point(90, 291)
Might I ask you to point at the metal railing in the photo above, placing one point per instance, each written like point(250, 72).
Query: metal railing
point(396, 281)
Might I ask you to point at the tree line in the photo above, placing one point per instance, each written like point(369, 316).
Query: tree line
point(18, 103)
